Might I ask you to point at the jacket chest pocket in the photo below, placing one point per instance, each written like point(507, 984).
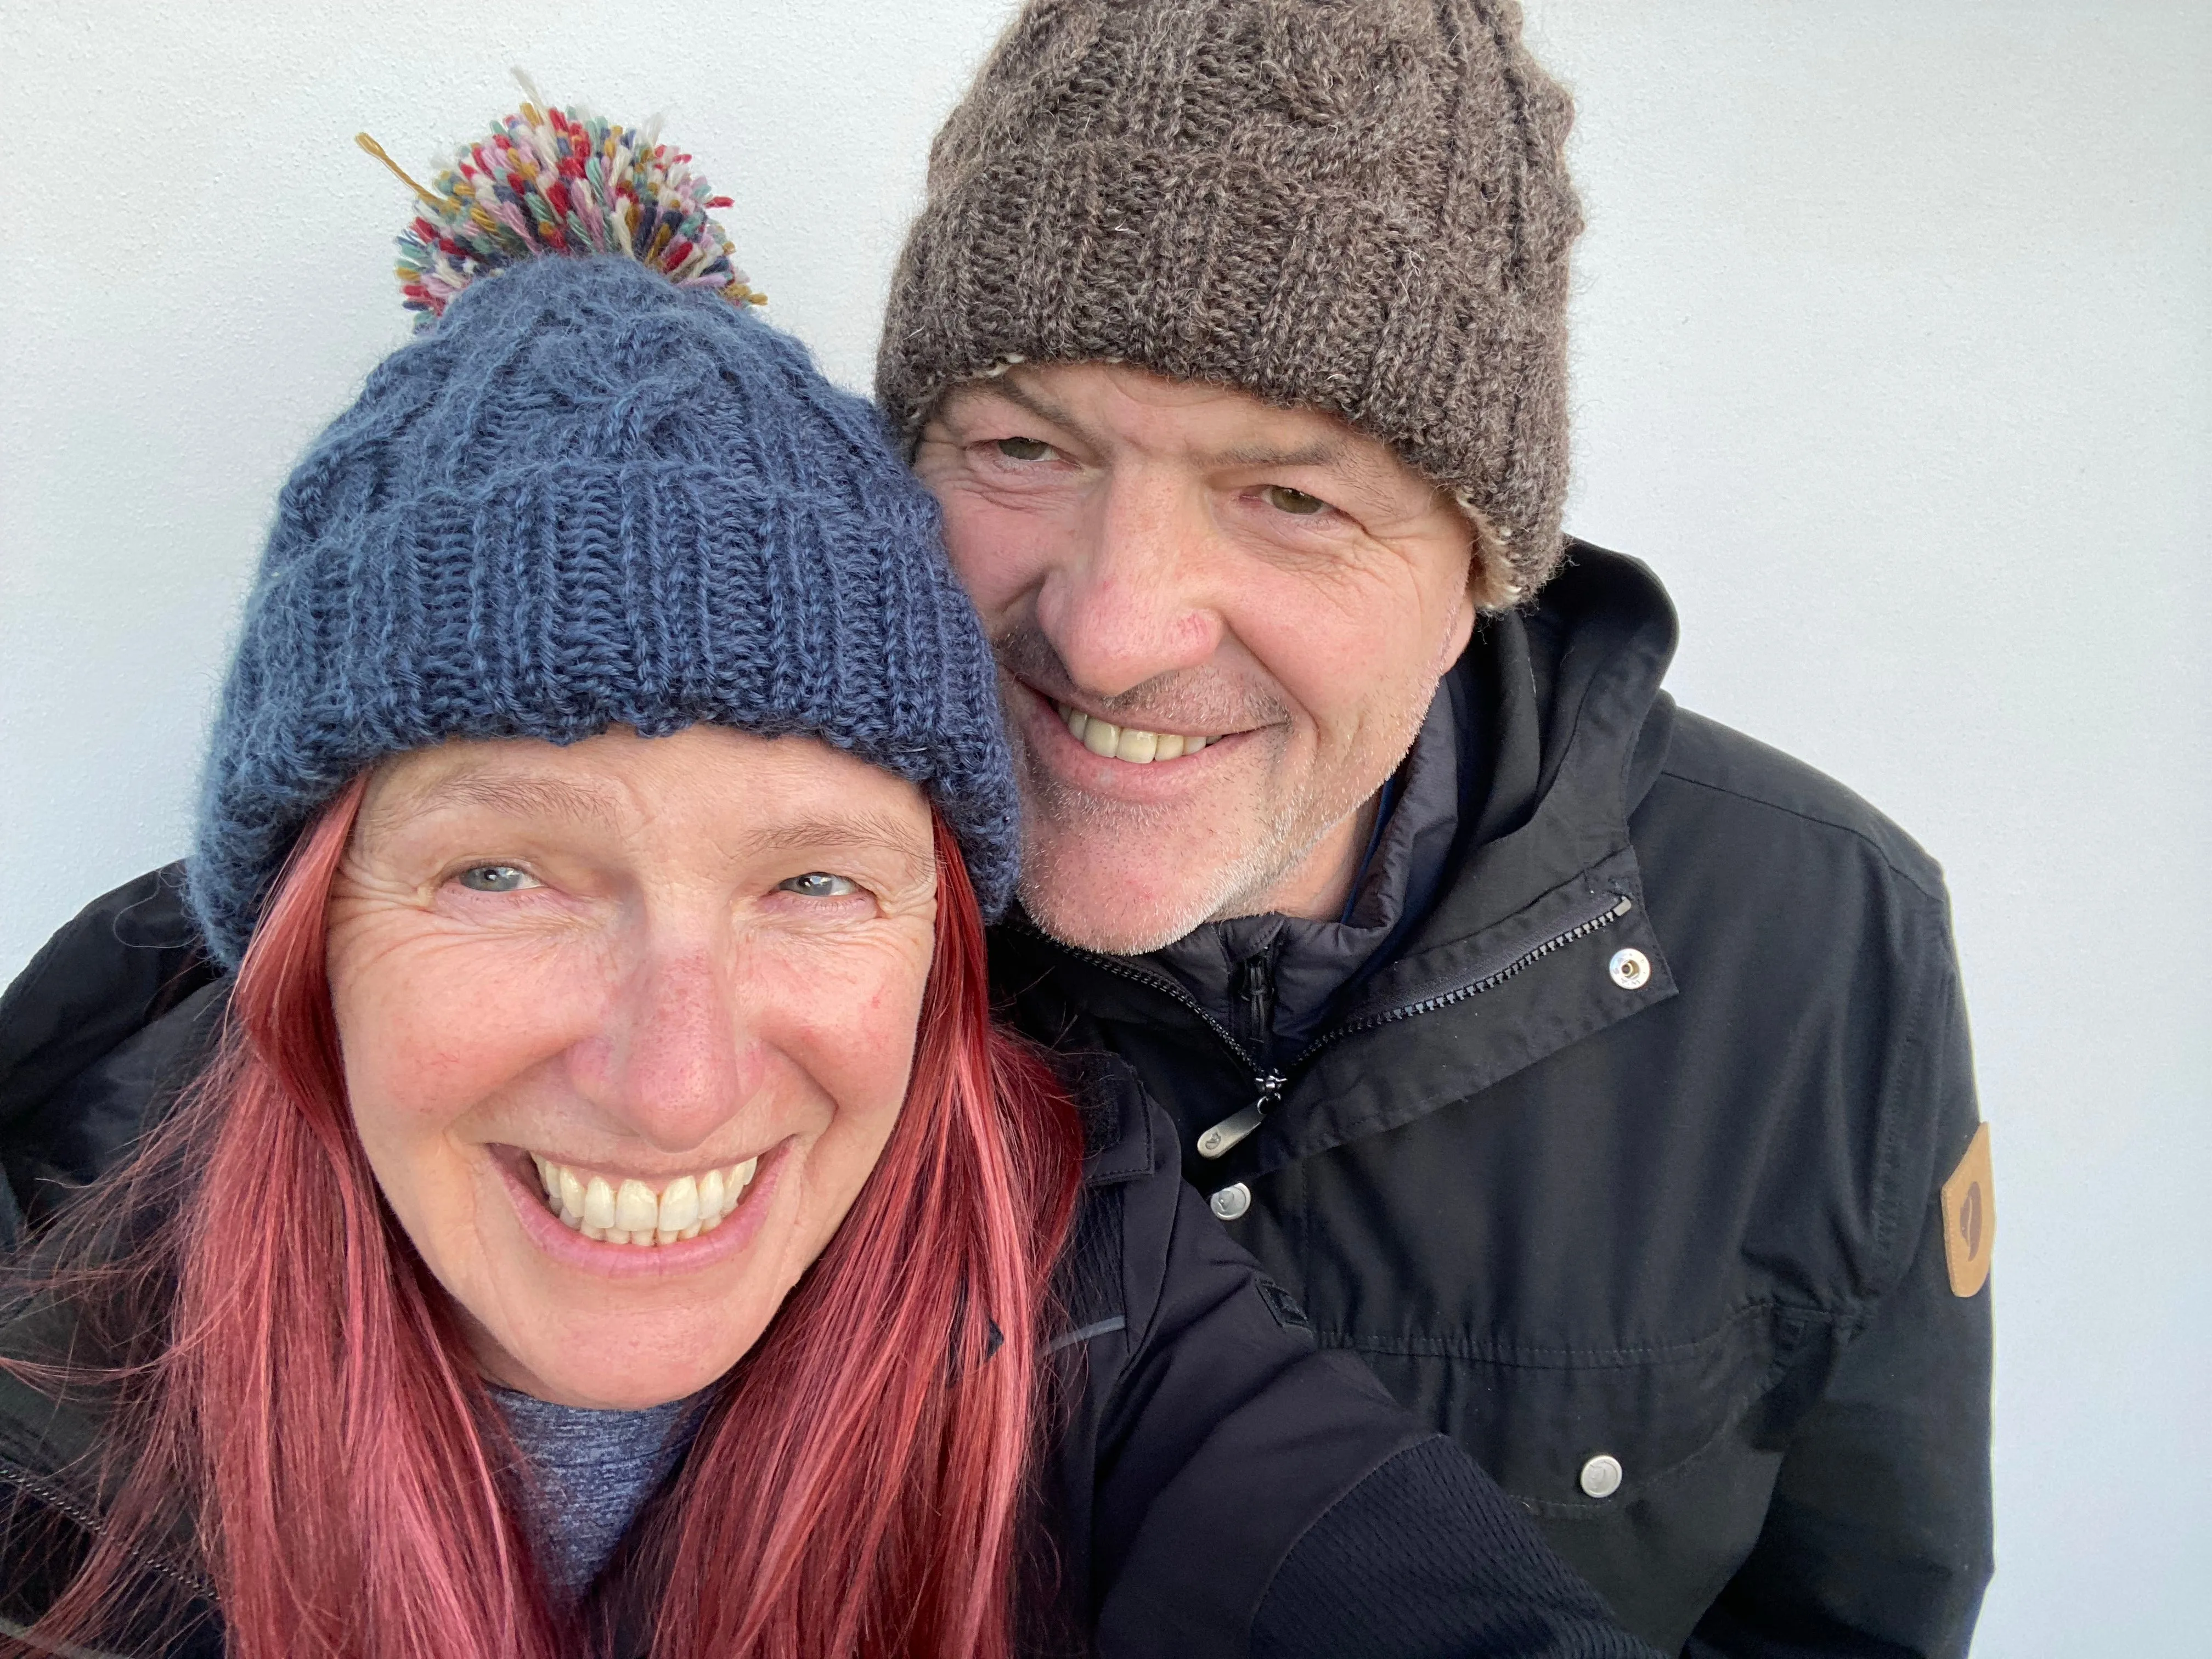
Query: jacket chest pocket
point(1647, 1468)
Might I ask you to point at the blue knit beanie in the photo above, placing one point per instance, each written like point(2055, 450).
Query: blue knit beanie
point(586, 497)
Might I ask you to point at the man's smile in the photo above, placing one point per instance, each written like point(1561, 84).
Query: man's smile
point(1130, 743)
point(1069, 748)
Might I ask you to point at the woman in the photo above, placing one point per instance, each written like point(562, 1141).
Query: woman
point(609, 1222)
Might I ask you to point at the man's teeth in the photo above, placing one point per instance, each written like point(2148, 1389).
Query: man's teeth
point(1127, 743)
point(631, 1212)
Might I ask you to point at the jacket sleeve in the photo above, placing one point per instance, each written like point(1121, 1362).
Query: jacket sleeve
point(1877, 1539)
point(1256, 1495)
point(76, 1070)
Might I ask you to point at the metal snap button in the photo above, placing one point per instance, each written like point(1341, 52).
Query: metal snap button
point(1601, 1476)
point(1232, 1201)
point(1630, 969)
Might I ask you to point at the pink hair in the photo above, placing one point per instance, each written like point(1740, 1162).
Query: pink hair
point(854, 1488)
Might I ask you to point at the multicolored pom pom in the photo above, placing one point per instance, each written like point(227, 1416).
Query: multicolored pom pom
point(549, 181)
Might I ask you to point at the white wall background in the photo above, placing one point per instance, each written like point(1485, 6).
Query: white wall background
point(1894, 353)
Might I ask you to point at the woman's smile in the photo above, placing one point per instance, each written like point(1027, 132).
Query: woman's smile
point(743, 1192)
point(622, 1209)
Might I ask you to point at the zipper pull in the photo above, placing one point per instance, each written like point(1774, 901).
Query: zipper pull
point(1234, 1128)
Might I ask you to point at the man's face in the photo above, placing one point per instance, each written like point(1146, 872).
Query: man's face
point(1218, 625)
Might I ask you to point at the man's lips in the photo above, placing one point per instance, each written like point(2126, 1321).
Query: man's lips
point(1134, 745)
point(1051, 739)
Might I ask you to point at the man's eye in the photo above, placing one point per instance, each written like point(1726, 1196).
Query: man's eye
point(1023, 449)
point(1284, 499)
point(816, 883)
point(495, 878)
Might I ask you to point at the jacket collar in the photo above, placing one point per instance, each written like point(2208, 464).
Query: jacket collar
point(1567, 696)
point(1569, 692)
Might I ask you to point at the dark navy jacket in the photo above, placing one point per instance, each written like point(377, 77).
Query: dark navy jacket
point(1622, 1166)
point(1627, 1156)
point(1221, 1484)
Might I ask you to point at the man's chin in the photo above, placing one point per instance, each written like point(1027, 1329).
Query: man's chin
point(1124, 883)
point(1099, 916)
point(1120, 888)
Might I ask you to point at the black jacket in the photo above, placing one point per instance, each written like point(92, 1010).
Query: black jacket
point(1688, 1223)
point(1222, 1486)
point(1631, 1150)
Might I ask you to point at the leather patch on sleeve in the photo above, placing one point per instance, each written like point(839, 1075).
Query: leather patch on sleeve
point(1970, 1218)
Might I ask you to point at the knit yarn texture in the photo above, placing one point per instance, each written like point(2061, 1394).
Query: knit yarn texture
point(588, 498)
point(1358, 205)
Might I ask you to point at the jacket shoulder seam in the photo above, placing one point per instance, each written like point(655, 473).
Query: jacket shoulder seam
point(1892, 1203)
point(1934, 894)
point(56, 1497)
point(1313, 1522)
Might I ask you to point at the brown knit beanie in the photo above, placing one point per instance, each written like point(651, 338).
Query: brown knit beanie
point(1360, 205)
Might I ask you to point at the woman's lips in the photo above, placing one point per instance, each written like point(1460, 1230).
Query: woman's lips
point(624, 1210)
point(739, 1225)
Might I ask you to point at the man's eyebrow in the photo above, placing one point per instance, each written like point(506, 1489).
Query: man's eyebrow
point(1027, 401)
point(517, 797)
point(1330, 450)
point(862, 832)
point(1321, 452)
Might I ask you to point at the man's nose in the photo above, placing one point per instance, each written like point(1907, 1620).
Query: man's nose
point(676, 1058)
point(1138, 597)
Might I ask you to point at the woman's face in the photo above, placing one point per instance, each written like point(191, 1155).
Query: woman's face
point(674, 984)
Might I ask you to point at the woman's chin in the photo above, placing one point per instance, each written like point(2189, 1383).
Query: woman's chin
point(630, 1375)
point(617, 1326)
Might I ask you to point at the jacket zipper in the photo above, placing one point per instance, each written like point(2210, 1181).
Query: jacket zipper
point(95, 1525)
point(1270, 1083)
point(1255, 997)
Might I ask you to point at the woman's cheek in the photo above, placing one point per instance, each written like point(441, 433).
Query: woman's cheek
point(436, 1026)
point(856, 1027)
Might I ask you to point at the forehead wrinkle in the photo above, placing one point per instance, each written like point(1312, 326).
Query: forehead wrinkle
point(514, 796)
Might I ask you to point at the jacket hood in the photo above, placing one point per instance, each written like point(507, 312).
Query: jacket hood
point(1567, 694)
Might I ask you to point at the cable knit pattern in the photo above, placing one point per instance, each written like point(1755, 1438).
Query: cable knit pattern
point(588, 498)
point(1359, 205)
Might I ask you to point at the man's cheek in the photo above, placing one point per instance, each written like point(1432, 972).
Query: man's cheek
point(998, 555)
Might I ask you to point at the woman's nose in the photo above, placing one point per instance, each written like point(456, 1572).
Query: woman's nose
point(675, 1060)
point(1138, 597)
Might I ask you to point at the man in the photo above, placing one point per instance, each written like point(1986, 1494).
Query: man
point(1597, 1075)
point(1594, 1072)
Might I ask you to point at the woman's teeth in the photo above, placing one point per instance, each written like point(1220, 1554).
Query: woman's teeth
point(1127, 743)
point(631, 1212)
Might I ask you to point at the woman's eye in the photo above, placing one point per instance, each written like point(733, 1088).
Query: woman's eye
point(495, 878)
point(1284, 499)
point(818, 883)
point(1023, 449)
